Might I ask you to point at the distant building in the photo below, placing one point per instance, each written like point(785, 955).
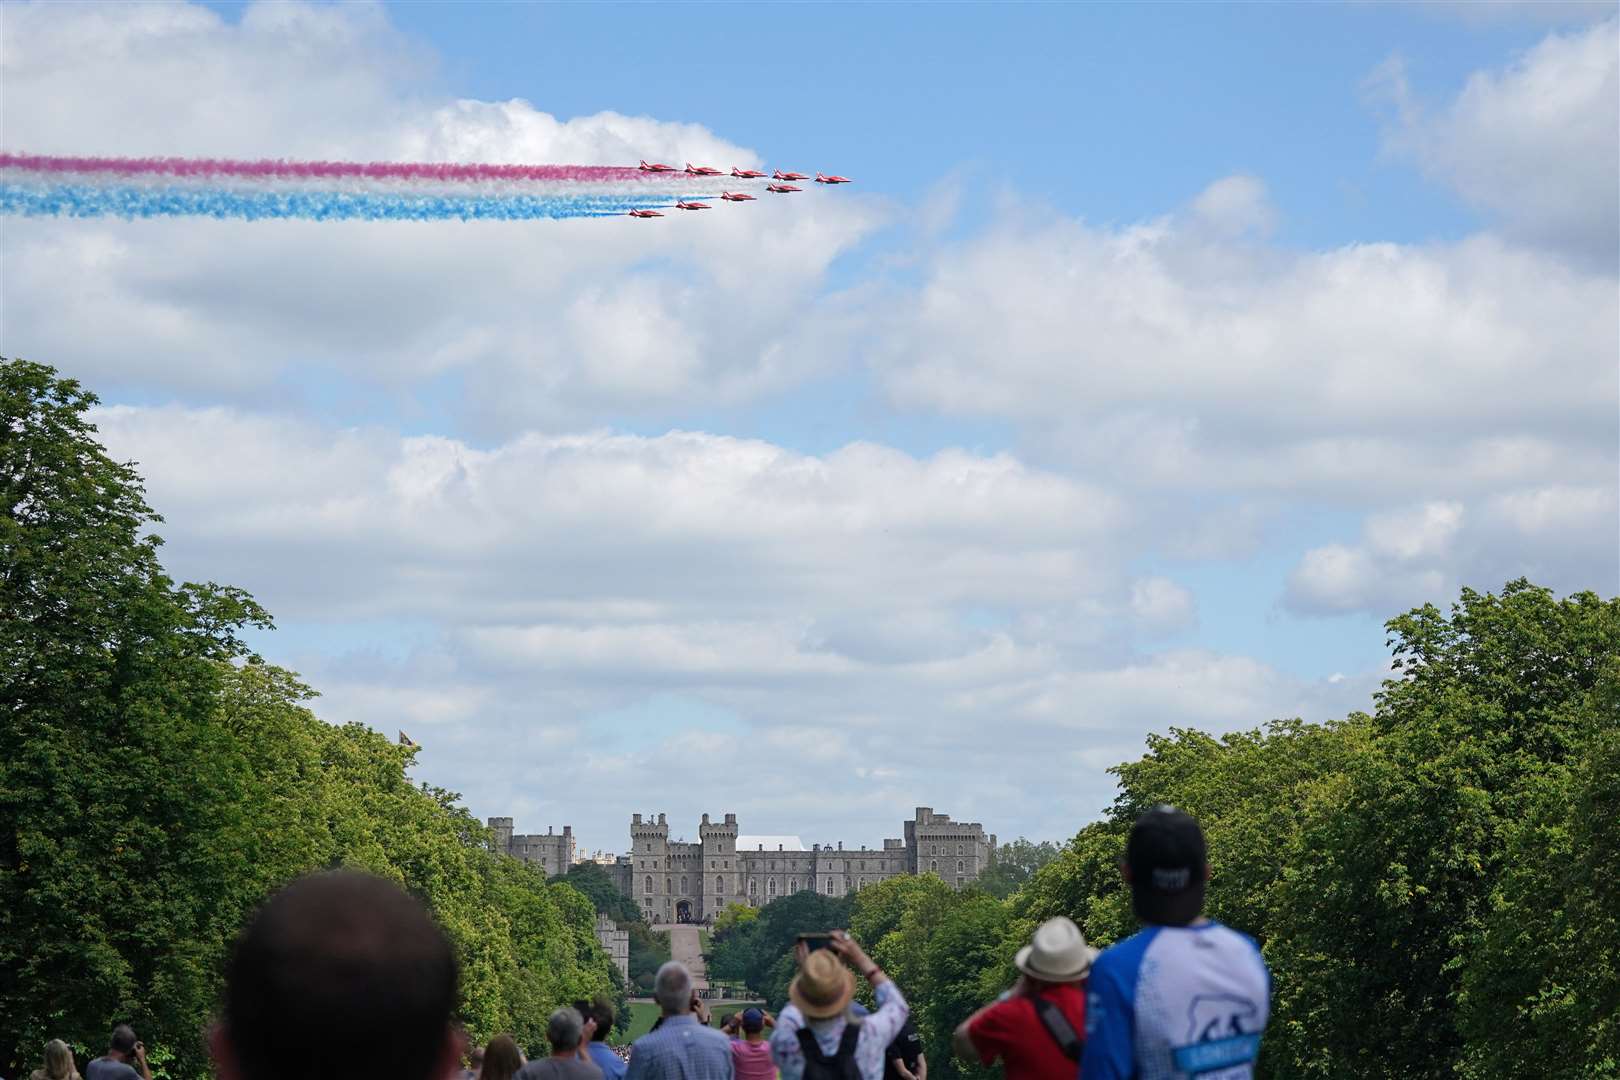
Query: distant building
point(616, 943)
point(692, 882)
point(553, 852)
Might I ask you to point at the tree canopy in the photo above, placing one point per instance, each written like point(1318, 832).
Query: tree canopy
point(159, 781)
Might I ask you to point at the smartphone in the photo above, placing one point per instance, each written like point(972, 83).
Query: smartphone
point(816, 941)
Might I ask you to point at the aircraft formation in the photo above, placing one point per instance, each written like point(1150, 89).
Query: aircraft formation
point(781, 184)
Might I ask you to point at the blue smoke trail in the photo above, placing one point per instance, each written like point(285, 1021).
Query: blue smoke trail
point(69, 200)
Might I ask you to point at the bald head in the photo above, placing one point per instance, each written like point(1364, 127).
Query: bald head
point(339, 975)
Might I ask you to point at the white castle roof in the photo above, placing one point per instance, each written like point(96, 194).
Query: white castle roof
point(770, 843)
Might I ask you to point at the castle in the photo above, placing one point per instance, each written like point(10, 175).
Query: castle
point(677, 881)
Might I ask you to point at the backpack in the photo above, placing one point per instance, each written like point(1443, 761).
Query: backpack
point(1057, 1025)
point(841, 1066)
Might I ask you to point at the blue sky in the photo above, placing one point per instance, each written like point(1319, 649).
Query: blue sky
point(1159, 353)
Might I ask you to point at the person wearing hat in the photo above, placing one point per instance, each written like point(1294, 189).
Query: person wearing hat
point(750, 1053)
point(1035, 1028)
point(1185, 996)
point(817, 1035)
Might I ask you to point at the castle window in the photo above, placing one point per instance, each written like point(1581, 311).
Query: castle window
point(933, 866)
point(829, 886)
point(649, 883)
point(959, 849)
point(719, 884)
point(750, 888)
point(771, 887)
point(793, 885)
point(683, 884)
point(958, 866)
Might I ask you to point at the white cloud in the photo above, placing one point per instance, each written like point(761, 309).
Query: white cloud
point(1422, 532)
point(1235, 205)
point(662, 527)
point(891, 608)
point(1535, 144)
point(1175, 345)
point(1162, 603)
point(1561, 536)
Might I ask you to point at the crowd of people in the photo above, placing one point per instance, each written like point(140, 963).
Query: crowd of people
point(344, 975)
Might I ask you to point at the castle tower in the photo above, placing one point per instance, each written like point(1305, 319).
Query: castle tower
point(502, 829)
point(722, 874)
point(650, 868)
point(955, 850)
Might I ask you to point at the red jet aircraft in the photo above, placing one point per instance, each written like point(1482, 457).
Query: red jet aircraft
point(656, 167)
point(782, 189)
point(645, 213)
point(700, 170)
point(736, 196)
point(746, 174)
point(832, 179)
point(682, 204)
point(780, 175)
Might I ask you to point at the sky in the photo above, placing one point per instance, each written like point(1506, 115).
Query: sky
point(1158, 355)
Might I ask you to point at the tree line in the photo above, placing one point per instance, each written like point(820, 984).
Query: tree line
point(1435, 883)
point(158, 780)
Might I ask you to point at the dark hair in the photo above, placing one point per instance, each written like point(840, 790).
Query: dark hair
point(602, 1012)
point(339, 975)
point(123, 1039)
point(502, 1059)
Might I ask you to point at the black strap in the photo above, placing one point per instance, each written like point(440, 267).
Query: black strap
point(1057, 1025)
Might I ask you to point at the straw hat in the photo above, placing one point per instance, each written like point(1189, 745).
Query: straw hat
point(1058, 953)
point(823, 987)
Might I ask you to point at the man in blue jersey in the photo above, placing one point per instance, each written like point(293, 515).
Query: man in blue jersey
point(1186, 997)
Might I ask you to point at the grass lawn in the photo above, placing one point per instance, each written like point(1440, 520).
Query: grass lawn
point(643, 1013)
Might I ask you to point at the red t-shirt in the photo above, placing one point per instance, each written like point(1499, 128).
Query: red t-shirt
point(1012, 1030)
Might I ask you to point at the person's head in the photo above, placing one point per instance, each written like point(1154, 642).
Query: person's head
point(564, 1030)
point(1167, 866)
point(122, 1043)
point(1057, 953)
point(672, 988)
point(824, 987)
point(502, 1059)
point(339, 974)
point(59, 1061)
point(752, 1021)
point(602, 1013)
point(475, 1059)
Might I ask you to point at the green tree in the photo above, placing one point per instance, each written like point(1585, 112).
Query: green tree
point(1391, 882)
point(593, 881)
point(158, 781)
point(965, 954)
point(112, 787)
point(1015, 863)
point(1541, 988)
